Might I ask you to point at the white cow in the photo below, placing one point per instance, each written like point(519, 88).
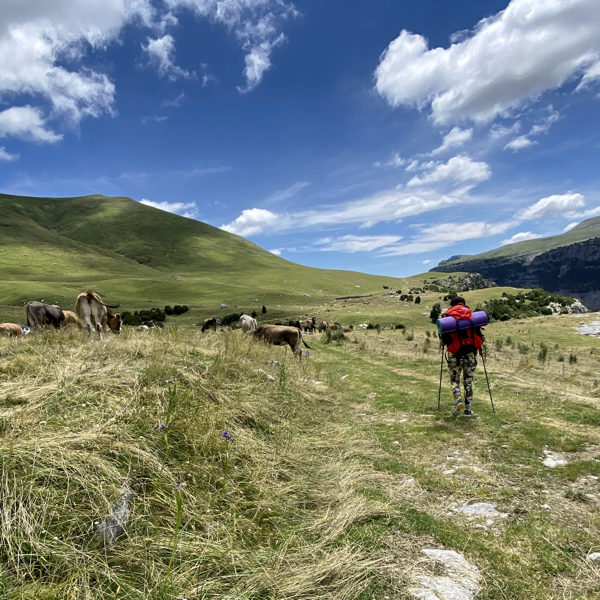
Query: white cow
point(247, 323)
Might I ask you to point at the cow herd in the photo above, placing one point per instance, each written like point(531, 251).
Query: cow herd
point(90, 313)
point(94, 315)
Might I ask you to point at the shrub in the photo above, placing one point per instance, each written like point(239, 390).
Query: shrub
point(435, 313)
point(543, 353)
point(418, 300)
point(254, 314)
point(523, 349)
point(264, 310)
point(400, 326)
point(168, 310)
point(572, 359)
point(411, 336)
point(498, 343)
point(228, 319)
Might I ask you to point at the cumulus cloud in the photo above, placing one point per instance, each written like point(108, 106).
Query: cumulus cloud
point(395, 161)
point(357, 243)
point(541, 127)
point(256, 25)
point(457, 169)
point(6, 156)
point(26, 122)
point(557, 204)
point(521, 237)
point(508, 60)
point(36, 37)
point(455, 138)
point(276, 251)
point(253, 221)
point(160, 54)
point(185, 209)
point(570, 226)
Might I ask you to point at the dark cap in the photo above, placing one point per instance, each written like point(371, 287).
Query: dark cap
point(457, 300)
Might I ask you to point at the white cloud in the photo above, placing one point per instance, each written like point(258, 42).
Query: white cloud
point(441, 235)
point(26, 122)
point(457, 169)
point(160, 53)
point(253, 221)
point(256, 25)
point(584, 214)
point(570, 226)
point(519, 143)
point(557, 204)
point(521, 237)
point(510, 59)
point(593, 74)
point(500, 131)
point(173, 102)
point(455, 138)
point(287, 193)
point(6, 155)
point(395, 161)
point(35, 38)
point(357, 243)
point(427, 261)
point(185, 209)
point(276, 251)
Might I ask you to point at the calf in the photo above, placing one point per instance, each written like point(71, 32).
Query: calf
point(10, 329)
point(280, 335)
point(210, 323)
point(72, 319)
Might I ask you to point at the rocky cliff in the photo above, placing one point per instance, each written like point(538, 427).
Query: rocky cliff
point(570, 270)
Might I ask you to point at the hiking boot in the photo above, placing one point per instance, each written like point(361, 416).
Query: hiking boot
point(468, 412)
point(457, 408)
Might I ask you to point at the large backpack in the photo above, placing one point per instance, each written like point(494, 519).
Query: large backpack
point(462, 341)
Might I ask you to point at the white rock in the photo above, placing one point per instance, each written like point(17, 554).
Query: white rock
point(478, 509)
point(594, 556)
point(553, 459)
point(343, 377)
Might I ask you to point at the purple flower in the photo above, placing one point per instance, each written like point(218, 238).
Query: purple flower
point(173, 380)
point(227, 436)
point(162, 427)
point(307, 354)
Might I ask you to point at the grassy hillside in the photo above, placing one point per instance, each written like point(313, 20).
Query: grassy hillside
point(586, 230)
point(339, 472)
point(141, 256)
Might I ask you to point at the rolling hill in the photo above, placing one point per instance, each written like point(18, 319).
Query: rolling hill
point(567, 264)
point(52, 248)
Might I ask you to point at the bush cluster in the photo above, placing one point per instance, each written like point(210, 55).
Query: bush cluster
point(524, 304)
point(144, 317)
point(176, 310)
point(229, 319)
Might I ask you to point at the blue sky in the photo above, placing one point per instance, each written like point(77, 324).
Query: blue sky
point(380, 137)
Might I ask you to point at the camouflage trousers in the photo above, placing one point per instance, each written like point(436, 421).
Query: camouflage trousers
point(464, 365)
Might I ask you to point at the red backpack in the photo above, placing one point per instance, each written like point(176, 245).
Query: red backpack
point(462, 341)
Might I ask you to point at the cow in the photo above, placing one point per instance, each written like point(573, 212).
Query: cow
point(95, 314)
point(11, 329)
point(72, 319)
point(323, 326)
point(308, 325)
point(40, 314)
point(280, 335)
point(210, 323)
point(247, 323)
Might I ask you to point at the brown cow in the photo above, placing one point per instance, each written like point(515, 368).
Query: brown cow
point(72, 319)
point(90, 308)
point(210, 323)
point(323, 326)
point(280, 335)
point(11, 329)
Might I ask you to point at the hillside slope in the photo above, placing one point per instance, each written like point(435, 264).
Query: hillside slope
point(54, 247)
point(567, 264)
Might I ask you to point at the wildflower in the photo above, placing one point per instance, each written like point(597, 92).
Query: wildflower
point(227, 436)
point(162, 427)
point(179, 485)
point(172, 380)
point(307, 354)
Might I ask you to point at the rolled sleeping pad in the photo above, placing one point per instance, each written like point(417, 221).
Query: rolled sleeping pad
point(448, 324)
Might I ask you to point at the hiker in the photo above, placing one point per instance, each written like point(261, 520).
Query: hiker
point(463, 345)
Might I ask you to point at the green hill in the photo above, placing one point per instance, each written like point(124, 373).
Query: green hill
point(53, 248)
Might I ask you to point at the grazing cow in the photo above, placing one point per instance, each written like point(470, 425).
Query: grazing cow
point(333, 326)
point(10, 329)
point(247, 323)
point(280, 335)
point(72, 319)
point(210, 323)
point(323, 326)
point(308, 325)
point(40, 314)
point(95, 314)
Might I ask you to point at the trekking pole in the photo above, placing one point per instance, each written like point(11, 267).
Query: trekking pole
point(441, 369)
point(488, 383)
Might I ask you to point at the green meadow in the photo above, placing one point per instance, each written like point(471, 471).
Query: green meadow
point(335, 473)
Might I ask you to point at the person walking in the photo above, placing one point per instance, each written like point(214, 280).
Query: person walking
point(463, 346)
